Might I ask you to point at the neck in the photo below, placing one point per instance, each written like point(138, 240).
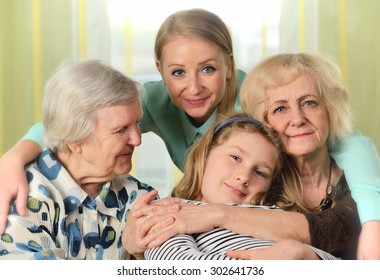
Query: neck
point(316, 172)
point(82, 172)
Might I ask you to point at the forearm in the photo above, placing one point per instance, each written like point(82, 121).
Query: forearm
point(22, 153)
point(358, 157)
point(266, 224)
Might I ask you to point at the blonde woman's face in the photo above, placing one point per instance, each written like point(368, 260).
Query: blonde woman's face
point(238, 169)
point(195, 72)
point(295, 111)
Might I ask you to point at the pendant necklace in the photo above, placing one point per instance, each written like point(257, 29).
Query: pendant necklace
point(326, 202)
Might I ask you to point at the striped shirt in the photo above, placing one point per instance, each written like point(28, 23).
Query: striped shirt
point(212, 245)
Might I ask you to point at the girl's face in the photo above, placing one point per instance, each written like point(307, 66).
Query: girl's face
point(296, 112)
point(238, 169)
point(195, 72)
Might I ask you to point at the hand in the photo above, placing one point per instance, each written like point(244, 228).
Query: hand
point(13, 184)
point(190, 219)
point(141, 213)
point(285, 249)
point(369, 241)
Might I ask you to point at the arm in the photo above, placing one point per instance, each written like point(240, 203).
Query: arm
point(12, 176)
point(283, 250)
point(265, 224)
point(369, 241)
point(359, 159)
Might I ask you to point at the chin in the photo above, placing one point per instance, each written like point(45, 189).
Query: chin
point(124, 169)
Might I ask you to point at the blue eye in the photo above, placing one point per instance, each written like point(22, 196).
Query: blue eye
point(310, 103)
point(279, 109)
point(208, 69)
point(178, 73)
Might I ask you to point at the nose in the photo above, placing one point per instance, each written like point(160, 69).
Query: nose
point(194, 85)
point(297, 116)
point(134, 137)
point(243, 176)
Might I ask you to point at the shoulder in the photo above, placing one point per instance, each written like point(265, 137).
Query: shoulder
point(130, 182)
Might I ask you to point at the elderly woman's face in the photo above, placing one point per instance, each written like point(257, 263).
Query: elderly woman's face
point(116, 134)
point(296, 112)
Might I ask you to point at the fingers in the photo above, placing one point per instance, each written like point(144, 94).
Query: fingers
point(168, 201)
point(240, 254)
point(146, 199)
point(164, 206)
point(4, 209)
point(157, 237)
point(21, 200)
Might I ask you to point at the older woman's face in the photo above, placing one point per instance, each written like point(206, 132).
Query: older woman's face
point(296, 112)
point(109, 150)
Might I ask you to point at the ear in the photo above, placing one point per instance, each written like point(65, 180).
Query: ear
point(75, 147)
point(158, 66)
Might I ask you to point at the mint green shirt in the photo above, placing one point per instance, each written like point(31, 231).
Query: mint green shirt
point(357, 156)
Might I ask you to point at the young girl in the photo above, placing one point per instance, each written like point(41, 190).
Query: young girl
point(240, 162)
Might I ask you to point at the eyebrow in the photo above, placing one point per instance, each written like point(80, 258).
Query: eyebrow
point(200, 63)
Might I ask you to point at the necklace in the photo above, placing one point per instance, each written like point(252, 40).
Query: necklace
point(326, 202)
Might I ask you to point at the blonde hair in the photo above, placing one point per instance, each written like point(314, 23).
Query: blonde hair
point(284, 68)
point(73, 95)
point(284, 177)
point(208, 26)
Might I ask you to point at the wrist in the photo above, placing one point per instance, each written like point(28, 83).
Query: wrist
point(221, 215)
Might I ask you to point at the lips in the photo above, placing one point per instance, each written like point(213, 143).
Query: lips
point(235, 190)
point(196, 102)
point(126, 154)
point(300, 135)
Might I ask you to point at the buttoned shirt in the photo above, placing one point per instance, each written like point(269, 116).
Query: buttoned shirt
point(63, 221)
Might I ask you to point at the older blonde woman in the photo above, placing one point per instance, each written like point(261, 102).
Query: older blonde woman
point(80, 192)
point(302, 96)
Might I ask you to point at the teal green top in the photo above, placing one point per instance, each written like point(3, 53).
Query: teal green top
point(357, 156)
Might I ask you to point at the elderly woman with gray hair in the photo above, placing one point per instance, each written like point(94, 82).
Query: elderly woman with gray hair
point(80, 191)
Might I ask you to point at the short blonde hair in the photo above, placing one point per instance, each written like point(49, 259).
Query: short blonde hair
point(73, 95)
point(284, 68)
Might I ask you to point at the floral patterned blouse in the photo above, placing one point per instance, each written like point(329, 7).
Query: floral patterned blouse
point(63, 221)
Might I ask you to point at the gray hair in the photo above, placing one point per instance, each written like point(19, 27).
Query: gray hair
point(73, 95)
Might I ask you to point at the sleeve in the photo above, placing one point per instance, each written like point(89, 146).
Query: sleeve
point(30, 237)
point(36, 134)
point(359, 159)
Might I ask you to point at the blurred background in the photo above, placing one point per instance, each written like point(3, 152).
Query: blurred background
point(37, 35)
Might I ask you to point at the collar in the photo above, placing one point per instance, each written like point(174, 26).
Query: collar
point(106, 202)
point(191, 132)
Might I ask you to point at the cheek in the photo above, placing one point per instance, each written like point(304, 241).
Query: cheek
point(276, 123)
